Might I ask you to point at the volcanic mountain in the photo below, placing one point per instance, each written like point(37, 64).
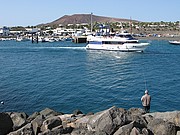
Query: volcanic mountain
point(85, 18)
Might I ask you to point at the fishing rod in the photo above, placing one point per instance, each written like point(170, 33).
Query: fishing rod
point(144, 77)
point(145, 82)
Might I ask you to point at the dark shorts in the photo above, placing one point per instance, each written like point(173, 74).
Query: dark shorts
point(147, 109)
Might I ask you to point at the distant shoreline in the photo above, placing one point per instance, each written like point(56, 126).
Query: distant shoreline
point(159, 38)
point(177, 38)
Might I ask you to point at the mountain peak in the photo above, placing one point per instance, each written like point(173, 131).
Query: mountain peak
point(85, 18)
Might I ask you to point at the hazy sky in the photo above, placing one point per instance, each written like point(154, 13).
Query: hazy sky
point(33, 12)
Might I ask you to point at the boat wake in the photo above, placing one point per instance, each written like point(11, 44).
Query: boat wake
point(68, 47)
point(74, 48)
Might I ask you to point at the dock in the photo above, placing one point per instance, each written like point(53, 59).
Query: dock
point(80, 39)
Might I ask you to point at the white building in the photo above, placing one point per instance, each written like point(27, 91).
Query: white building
point(63, 31)
point(1, 31)
point(4, 31)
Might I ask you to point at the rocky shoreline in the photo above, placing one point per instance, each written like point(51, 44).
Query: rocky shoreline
point(113, 121)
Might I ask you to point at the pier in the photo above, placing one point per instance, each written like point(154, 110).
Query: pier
point(80, 39)
point(34, 35)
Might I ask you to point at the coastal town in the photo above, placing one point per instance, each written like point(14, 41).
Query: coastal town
point(67, 32)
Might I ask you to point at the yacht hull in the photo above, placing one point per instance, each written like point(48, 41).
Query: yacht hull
point(174, 42)
point(126, 47)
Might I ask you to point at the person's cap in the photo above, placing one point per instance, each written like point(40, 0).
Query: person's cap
point(146, 91)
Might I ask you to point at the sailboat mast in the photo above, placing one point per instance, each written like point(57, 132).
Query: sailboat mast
point(91, 22)
point(131, 24)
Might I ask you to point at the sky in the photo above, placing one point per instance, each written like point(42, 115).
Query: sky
point(34, 12)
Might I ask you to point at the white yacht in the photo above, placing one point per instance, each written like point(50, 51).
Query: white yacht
point(119, 42)
point(175, 42)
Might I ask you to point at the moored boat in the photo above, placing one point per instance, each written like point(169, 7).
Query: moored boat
point(22, 39)
point(175, 42)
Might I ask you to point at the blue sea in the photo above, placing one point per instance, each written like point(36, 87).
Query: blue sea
point(64, 76)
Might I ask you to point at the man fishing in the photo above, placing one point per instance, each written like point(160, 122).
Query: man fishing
point(146, 100)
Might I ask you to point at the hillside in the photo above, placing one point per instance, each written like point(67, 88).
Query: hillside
point(85, 18)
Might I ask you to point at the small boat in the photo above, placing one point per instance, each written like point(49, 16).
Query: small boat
point(120, 42)
point(18, 39)
point(48, 39)
point(175, 42)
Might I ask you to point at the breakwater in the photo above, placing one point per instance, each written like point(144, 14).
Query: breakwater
point(113, 121)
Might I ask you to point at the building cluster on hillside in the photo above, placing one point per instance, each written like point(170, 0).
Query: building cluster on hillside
point(137, 28)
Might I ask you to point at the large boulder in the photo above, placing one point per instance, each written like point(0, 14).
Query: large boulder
point(86, 132)
point(25, 130)
point(132, 128)
point(51, 123)
point(47, 132)
point(135, 114)
point(136, 111)
point(76, 112)
point(161, 127)
point(135, 131)
point(107, 121)
point(59, 130)
point(47, 112)
point(125, 130)
point(145, 131)
point(37, 123)
point(148, 118)
point(33, 116)
point(173, 116)
point(66, 117)
point(83, 122)
point(178, 133)
point(19, 119)
point(140, 121)
point(6, 124)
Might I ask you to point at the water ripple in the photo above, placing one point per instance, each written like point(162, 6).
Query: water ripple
point(65, 76)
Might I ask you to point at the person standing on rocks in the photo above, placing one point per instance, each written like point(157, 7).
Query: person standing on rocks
point(146, 100)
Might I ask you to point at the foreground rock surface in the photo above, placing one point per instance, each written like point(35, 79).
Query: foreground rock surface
point(113, 121)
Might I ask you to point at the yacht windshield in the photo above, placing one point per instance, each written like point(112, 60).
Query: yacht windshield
point(125, 36)
point(128, 36)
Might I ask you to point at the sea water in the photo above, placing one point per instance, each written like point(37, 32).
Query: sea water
point(65, 76)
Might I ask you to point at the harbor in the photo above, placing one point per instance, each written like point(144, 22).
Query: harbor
point(89, 67)
point(64, 75)
point(64, 70)
point(79, 32)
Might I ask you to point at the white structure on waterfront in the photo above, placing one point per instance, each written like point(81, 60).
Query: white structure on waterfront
point(63, 31)
point(72, 32)
point(4, 31)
